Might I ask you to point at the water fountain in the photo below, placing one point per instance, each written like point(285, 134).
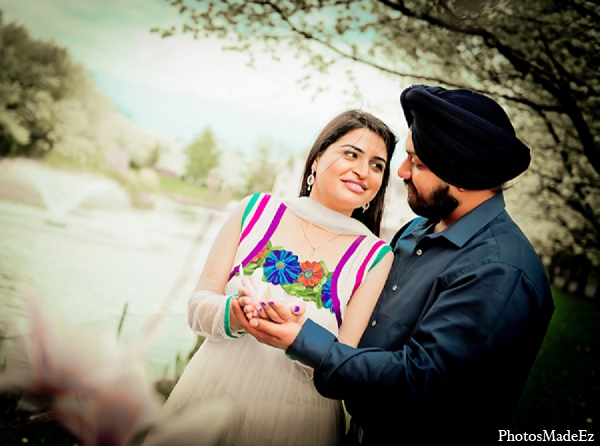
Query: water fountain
point(62, 191)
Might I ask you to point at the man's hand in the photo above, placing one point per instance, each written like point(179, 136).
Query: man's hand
point(280, 335)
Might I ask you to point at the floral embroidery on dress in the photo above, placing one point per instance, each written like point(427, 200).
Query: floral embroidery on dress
point(260, 254)
point(309, 280)
point(311, 273)
point(281, 267)
point(326, 295)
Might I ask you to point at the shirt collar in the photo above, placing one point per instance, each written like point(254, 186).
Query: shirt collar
point(461, 231)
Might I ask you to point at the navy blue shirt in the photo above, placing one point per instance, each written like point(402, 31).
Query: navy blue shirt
point(453, 336)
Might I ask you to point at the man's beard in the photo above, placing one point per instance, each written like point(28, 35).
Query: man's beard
point(437, 207)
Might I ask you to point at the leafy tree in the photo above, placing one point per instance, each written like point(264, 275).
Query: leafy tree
point(82, 127)
point(203, 155)
point(33, 75)
point(261, 171)
point(48, 103)
point(539, 58)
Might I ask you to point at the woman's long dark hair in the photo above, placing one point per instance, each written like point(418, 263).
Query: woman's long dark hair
point(333, 131)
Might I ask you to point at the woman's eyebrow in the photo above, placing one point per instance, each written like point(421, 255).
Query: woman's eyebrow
point(358, 149)
point(354, 147)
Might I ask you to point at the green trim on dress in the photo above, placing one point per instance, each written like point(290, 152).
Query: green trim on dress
point(382, 252)
point(249, 207)
point(228, 321)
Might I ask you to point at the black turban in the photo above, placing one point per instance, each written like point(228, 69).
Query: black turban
point(463, 137)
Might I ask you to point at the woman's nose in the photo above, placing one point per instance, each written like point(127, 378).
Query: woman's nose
point(361, 169)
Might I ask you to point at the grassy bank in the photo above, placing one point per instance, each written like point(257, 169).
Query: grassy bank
point(200, 194)
point(563, 390)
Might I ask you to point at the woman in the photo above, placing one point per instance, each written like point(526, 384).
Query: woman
point(322, 248)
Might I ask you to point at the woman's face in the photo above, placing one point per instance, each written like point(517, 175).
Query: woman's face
point(350, 171)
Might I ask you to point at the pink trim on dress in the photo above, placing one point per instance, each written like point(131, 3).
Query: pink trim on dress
point(271, 229)
point(361, 271)
point(335, 300)
point(255, 217)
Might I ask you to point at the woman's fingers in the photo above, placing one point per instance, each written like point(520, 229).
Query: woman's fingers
point(270, 311)
point(280, 312)
point(297, 307)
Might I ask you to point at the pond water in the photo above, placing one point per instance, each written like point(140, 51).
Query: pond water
point(97, 255)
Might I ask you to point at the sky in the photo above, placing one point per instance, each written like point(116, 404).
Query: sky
point(177, 86)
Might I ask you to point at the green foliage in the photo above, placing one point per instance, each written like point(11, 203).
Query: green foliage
point(33, 76)
point(261, 172)
point(203, 156)
point(180, 187)
point(136, 181)
point(539, 58)
point(48, 104)
point(33, 427)
point(196, 193)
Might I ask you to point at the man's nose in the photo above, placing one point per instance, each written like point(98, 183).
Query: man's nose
point(404, 171)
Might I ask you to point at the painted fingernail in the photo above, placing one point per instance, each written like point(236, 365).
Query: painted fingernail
point(271, 303)
point(263, 304)
point(259, 310)
point(296, 309)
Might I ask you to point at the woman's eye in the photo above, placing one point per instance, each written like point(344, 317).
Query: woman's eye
point(350, 154)
point(378, 166)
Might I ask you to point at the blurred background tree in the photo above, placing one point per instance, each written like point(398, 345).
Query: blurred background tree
point(34, 75)
point(261, 171)
point(539, 59)
point(50, 105)
point(203, 155)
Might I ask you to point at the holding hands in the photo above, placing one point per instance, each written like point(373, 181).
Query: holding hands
point(269, 320)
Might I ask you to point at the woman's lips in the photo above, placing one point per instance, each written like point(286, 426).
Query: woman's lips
point(355, 186)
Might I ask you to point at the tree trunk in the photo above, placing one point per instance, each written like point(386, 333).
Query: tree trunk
point(582, 277)
point(573, 268)
point(552, 268)
point(596, 297)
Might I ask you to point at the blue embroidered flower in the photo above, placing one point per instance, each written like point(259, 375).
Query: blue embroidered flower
point(326, 295)
point(281, 267)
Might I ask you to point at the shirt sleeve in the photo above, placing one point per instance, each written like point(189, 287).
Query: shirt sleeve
point(478, 320)
point(208, 314)
point(208, 306)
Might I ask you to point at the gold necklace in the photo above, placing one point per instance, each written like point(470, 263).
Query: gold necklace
point(312, 253)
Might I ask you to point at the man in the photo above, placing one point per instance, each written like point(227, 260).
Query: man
point(467, 303)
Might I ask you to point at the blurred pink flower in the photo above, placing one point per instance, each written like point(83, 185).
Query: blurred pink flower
point(100, 392)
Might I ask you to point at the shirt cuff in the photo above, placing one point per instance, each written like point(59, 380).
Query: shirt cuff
point(311, 345)
point(227, 322)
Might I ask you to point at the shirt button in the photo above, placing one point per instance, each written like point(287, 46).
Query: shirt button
point(419, 252)
point(395, 287)
point(373, 323)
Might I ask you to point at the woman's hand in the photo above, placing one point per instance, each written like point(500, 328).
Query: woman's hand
point(246, 302)
point(277, 335)
point(269, 309)
point(279, 312)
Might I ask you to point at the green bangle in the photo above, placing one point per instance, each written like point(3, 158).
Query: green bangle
point(227, 319)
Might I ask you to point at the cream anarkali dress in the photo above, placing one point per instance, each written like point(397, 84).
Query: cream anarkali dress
point(275, 399)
